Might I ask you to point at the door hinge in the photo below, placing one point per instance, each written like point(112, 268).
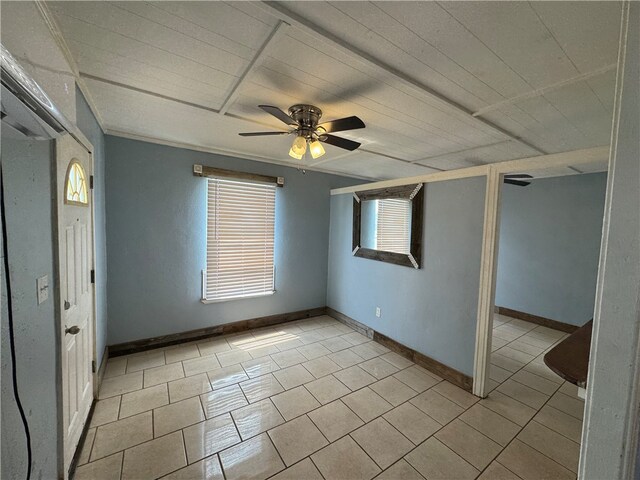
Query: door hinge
point(93, 366)
point(93, 276)
point(91, 182)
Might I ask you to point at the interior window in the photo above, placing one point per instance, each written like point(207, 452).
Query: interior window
point(240, 239)
point(393, 226)
point(76, 185)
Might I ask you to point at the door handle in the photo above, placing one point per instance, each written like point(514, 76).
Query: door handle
point(72, 330)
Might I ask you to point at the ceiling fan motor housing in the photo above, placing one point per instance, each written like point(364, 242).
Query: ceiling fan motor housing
point(307, 117)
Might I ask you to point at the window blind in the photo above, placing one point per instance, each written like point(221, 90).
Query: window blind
point(240, 238)
point(393, 228)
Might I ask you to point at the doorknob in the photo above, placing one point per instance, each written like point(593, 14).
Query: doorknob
point(72, 330)
point(67, 305)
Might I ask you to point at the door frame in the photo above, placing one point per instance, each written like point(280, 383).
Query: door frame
point(82, 140)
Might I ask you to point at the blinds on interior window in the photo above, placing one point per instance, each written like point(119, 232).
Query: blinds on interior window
point(240, 237)
point(394, 225)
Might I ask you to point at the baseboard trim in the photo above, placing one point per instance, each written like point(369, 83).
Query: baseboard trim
point(202, 333)
point(448, 373)
point(545, 322)
point(103, 366)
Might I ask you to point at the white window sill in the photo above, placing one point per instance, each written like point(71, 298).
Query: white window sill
point(231, 299)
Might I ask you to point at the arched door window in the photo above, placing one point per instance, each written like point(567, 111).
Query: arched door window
point(76, 185)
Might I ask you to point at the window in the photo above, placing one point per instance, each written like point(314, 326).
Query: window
point(240, 238)
point(75, 185)
point(393, 227)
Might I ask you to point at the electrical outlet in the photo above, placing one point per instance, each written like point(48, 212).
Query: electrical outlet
point(378, 312)
point(42, 286)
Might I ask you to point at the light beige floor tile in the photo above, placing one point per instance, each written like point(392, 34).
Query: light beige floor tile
point(523, 324)
point(223, 400)
point(115, 367)
point(560, 422)
point(497, 343)
point(188, 387)
point(108, 468)
point(327, 389)
point(304, 470)
point(314, 350)
point(507, 363)
point(291, 344)
point(416, 378)
point(207, 469)
point(355, 338)
point(255, 459)
point(568, 405)
point(354, 377)
point(232, 357)
point(294, 402)
point(105, 411)
point(470, 444)
point(493, 425)
point(532, 380)
point(260, 366)
point(433, 459)
point(378, 367)
point(155, 458)
point(176, 416)
point(182, 352)
point(345, 459)
point(288, 358)
point(164, 374)
point(336, 344)
point(569, 389)
point(508, 407)
point(335, 420)
point(412, 422)
point(555, 446)
point(330, 331)
point(384, 444)
point(400, 470)
point(262, 351)
point(365, 351)
point(441, 409)
point(200, 365)
point(143, 400)
point(320, 367)
point(151, 359)
point(526, 348)
point(542, 370)
point(85, 450)
point(294, 376)
point(211, 347)
point(345, 358)
point(257, 418)
point(261, 387)
point(113, 386)
point(367, 404)
point(523, 394)
point(397, 360)
point(225, 376)
point(498, 374)
point(116, 436)
point(492, 385)
point(456, 394)
point(536, 341)
point(393, 390)
point(297, 439)
point(508, 335)
point(496, 471)
point(209, 437)
point(529, 464)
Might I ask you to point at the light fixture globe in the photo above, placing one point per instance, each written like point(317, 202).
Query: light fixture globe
point(299, 147)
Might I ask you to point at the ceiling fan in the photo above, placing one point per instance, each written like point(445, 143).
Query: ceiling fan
point(512, 179)
point(304, 119)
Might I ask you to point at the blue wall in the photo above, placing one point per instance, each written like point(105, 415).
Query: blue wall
point(550, 245)
point(432, 310)
point(89, 126)
point(156, 239)
point(26, 168)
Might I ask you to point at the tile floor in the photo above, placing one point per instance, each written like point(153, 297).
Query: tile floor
point(313, 399)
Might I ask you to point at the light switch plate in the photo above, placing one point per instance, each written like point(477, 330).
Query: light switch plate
point(42, 285)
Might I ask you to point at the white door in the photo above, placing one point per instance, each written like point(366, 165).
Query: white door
point(75, 250)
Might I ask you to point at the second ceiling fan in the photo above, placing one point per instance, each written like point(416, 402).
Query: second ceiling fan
point(304, 119)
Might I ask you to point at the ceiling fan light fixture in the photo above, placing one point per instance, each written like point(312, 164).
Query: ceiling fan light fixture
point(316, 149)
point(298, 148)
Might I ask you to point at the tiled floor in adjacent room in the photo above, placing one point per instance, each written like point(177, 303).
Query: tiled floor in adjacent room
point(313, 399)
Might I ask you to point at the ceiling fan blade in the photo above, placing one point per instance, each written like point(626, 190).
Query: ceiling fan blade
point(339, 142)
point(518, 175)
point(258, 134)
point(519, 183)
point(279, 114)
point(342, 124)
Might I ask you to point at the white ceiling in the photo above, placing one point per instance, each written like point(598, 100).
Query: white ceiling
point(538, 76)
